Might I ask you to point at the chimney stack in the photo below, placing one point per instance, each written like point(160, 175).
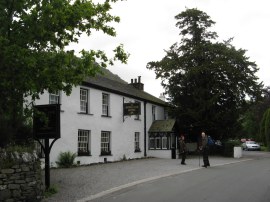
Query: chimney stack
point(138, 84)
point(162, 97)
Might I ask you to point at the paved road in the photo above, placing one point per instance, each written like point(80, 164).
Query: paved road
point(246, 181)
point(89, 182)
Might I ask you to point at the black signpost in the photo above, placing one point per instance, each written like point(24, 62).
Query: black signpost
point(46, 125)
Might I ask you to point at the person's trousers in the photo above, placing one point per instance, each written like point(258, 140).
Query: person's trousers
point(183, 157)
point(205, 157)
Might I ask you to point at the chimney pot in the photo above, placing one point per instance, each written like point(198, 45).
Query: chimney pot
point(135, 80)
point(162, 96)
point(139, 79)
point(131, 80)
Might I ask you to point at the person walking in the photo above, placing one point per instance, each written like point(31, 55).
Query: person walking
point(182, 149)
point(205, 149)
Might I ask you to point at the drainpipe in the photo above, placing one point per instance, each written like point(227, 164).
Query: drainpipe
point(145, 136)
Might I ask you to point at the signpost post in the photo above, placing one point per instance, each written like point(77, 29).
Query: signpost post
point(46, 125)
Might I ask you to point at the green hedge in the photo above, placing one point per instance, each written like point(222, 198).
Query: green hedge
point(228, 147)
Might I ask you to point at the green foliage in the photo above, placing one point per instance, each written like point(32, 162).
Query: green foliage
point(265, 128)
point(50, 191)
point(263, 148)
point(253, 116)
point(124, 158)
point(34, 36)
point(66, 159)
point(206, 80)
point(229, 145)
point(15, 130)
point(250, 126)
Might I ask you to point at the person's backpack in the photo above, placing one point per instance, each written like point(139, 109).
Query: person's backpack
point(210, 141)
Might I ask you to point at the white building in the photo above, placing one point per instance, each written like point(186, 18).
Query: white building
point(93, 125)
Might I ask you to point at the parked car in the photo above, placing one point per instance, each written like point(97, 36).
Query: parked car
point(251, 145)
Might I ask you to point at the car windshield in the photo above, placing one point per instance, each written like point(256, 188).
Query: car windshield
point(250, 142)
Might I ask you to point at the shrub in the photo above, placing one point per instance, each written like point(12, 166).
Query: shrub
point(264, 148)
point(228, 147)
point(50, 191)
point(265, 129)
point(124, 158)
point(215, 150)
point(66, 159)
point(17, 132)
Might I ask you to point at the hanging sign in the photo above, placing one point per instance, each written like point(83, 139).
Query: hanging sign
point(132, 109)
point(46, 121)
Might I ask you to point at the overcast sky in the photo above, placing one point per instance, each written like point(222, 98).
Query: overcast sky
point(147, 28)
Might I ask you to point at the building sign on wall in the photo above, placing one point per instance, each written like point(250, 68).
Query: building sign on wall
point(46, 121)
point(132, 109)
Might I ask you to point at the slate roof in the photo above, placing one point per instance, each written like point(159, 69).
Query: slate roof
point(162, 126)
point(113, 83)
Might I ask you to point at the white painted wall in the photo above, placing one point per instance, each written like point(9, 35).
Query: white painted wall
point(122, 133)
point(160, 153)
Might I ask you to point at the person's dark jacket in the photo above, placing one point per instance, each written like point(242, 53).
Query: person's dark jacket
point(182, 146)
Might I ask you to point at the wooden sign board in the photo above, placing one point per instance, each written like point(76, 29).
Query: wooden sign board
point(132, 109)
point(46, 121)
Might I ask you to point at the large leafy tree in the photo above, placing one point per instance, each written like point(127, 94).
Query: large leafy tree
point(206, 81)
point(265, 128)
point(34, 35)
point(253, 116)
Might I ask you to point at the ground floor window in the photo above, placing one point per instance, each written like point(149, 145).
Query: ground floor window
point(83, 142)
point(105, 143)
point(137, 142)
point(164, 142)
point(159, 141)
point(39, 149)
point(152, 143)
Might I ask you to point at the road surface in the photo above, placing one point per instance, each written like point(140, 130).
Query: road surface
point(239, 182)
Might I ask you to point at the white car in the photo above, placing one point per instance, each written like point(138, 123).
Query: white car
point(251, 145)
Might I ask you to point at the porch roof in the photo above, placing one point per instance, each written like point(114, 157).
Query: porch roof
point(162, 126)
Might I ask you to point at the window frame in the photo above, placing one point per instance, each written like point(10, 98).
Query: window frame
point(84, 150)
point(158, 143)
point(152, 143)
point(84, 108)
point(105, 106)
point(166, 114)
point(137, 142)
point(38, 148)
point(162, 143)
point(137, 117)
point(105, 146)
point(153, 112)
point(52, 97)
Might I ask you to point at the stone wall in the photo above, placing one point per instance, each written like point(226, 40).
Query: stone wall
point(22, 181)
